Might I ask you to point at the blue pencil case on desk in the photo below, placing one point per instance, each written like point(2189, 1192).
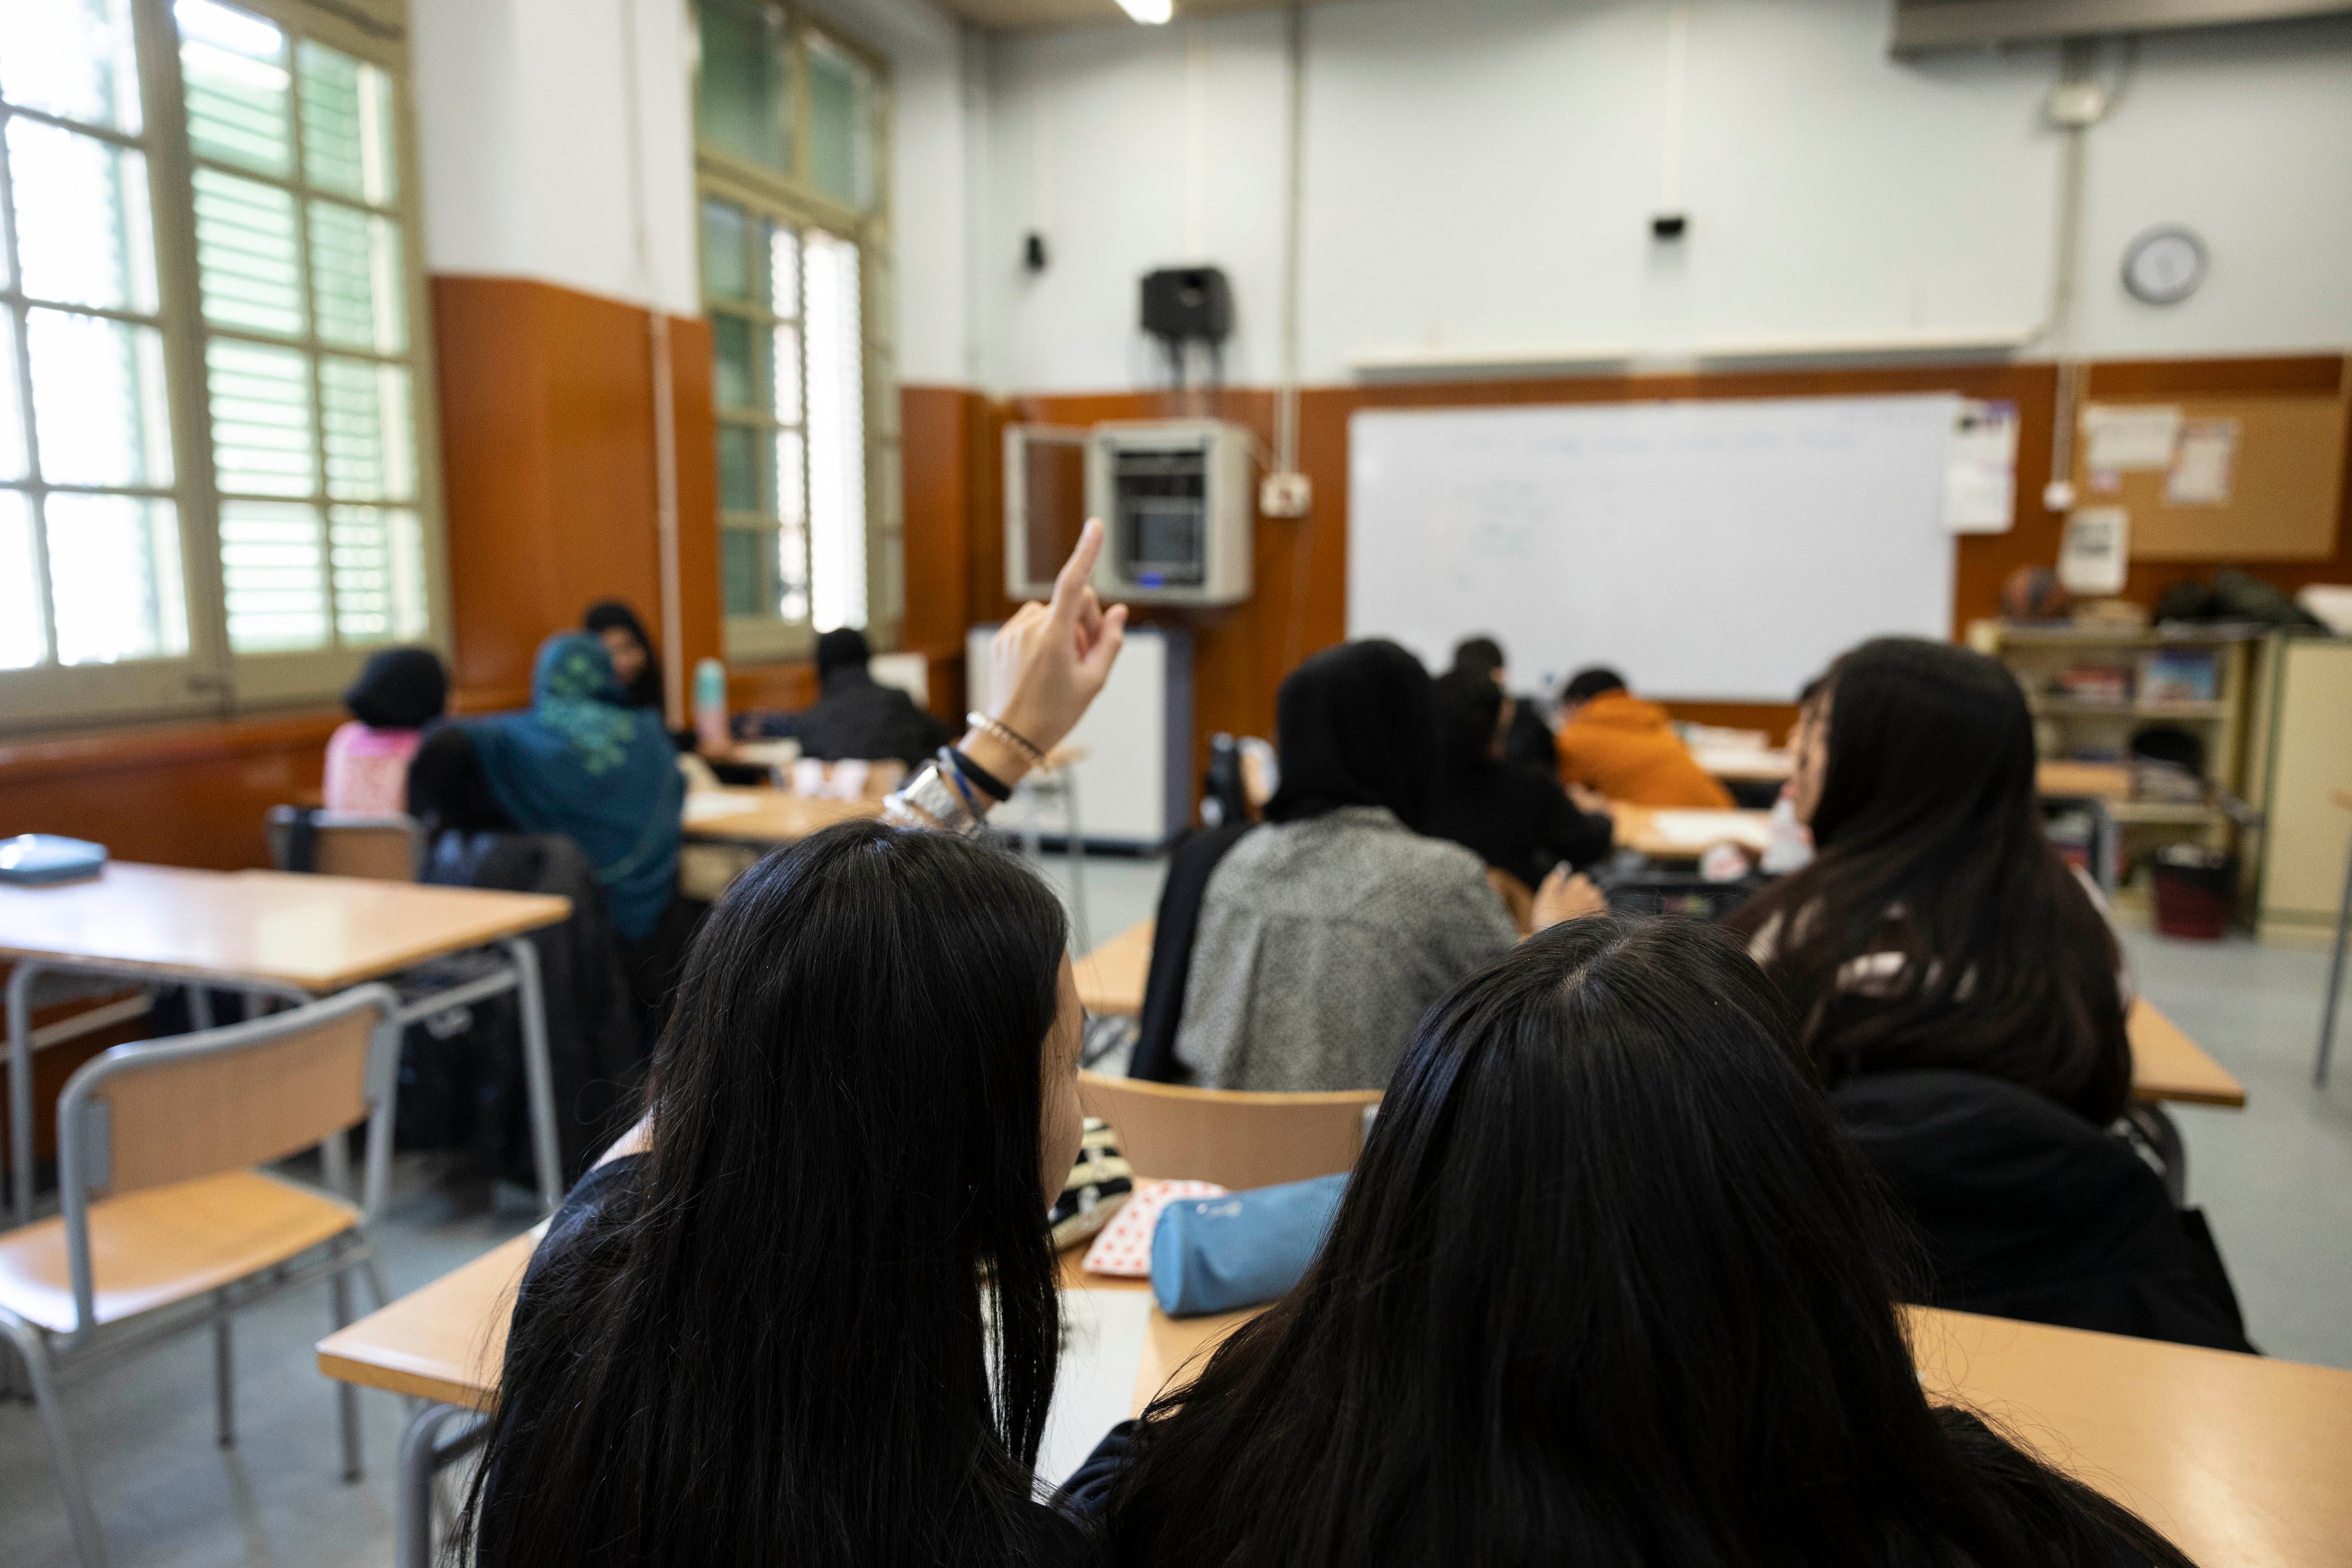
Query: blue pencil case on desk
point(34, 859)
point(1219, 1254)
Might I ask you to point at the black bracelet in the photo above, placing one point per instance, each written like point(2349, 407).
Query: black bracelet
point(990, 785)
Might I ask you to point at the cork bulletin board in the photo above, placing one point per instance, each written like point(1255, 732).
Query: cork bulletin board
point(2218, 477)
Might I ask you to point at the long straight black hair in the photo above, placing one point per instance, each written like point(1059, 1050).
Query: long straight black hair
point(1609, 1287)
point(777, 1349)
point(1931, 847)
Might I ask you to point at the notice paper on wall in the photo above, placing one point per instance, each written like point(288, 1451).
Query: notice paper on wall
point(2096, 550)
point(1981, 468)
point(2201, 466)
point(2118, 439)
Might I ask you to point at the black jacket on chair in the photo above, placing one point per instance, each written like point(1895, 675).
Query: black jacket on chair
point(2027, 1211)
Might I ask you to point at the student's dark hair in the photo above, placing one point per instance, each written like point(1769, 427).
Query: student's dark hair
point(1482, 655)
point(1931, 844)
point(1609, 1285)
point(1589, 683)
point(606, 615)
point(1469, 712)
point(843, 647)
point(823, 1328)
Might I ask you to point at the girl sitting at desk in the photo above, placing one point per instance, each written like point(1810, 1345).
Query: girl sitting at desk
point(1936, 926)
point(1609, 1287)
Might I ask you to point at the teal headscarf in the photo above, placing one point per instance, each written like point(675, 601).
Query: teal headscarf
point(602, 775)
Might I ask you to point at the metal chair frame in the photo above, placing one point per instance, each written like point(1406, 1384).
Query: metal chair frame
point(52, 1360)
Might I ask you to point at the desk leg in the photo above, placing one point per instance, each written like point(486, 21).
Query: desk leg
point(20, 1089)
point(2335, 980)
point(423, 1453)
point(538, 1075)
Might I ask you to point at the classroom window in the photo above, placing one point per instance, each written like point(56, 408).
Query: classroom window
point(790, 124)
point(211, 491)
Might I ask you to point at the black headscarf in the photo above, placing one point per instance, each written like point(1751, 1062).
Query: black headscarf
point(843, 647)
point(399, 689)
point(645, 691)
point(1356, 725)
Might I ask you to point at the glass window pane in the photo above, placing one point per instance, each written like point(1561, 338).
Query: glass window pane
point(347, 141)
point(261, 419)
point(743, 575)
point(740, 108)
point(792, 539)
point(83, 234)
point(11, 417)
point(72, 58)
point(784, 361)
point(97, 401)
point(723, 227)
point(840, 126)
point(783, 271)
point(363, 411)
point(22, 641)
point(836, 434)
point(273, 574)
point(114, 578)
point(739, 470)
point(732, 377)
point(233, 65)
point(356, 278)
point(248, 261)
point(378, 558)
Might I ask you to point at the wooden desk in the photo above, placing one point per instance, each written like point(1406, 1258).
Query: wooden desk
point(2167, 1065)
point(2082, 781)
point(768, 817)
point(1111, 977)
point(294, 936)
point(1640, 828)
point(2240, 1459)
point(1745, 764)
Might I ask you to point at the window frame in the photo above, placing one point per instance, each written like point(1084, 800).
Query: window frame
point(210, 679)
point(795, 202)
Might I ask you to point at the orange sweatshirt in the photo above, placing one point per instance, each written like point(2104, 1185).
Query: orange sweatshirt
point(1627, 749)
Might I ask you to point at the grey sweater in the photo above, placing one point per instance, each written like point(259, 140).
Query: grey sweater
point(1322, 944)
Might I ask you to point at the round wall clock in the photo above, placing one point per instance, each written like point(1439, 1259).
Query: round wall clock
point(2163, 266)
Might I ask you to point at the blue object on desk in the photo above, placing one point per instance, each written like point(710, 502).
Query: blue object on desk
point(1219, 1254)
point(36, 858)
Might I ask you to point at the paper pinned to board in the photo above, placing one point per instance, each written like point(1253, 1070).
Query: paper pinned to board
point(2095, 552)
point(2117, 439)
point(2201, 466)
point(1981, 468)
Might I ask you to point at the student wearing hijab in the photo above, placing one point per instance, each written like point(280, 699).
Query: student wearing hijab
point(636, 668)
point(1515, 819)
point(399, 691)
point(856, 717)
point(1326, 933)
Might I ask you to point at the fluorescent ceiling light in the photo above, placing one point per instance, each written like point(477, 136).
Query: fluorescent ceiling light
point(1153, 12)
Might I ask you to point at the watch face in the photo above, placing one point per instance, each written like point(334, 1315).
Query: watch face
point(2163, 266)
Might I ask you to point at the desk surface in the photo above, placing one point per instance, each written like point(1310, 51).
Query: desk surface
point(1664, 833)
point(315, 933)
point(1111, 977)
point(2240, 1459)
point(1745, 764)
point(2167, 1065)
point(771, 816)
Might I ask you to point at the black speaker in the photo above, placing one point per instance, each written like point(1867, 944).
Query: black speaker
point(1184, 304)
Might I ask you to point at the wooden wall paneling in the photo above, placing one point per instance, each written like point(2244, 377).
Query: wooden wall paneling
point(936, 426)
point(695, 422)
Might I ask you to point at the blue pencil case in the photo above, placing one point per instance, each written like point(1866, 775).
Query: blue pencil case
point(1219, 1254)
point(34, 859)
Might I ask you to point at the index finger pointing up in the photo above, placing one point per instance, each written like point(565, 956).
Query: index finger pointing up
point(1069, 584)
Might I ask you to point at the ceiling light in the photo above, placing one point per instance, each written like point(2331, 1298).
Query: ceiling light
point(1153, 12)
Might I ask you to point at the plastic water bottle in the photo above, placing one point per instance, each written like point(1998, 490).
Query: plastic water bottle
point(710, 706)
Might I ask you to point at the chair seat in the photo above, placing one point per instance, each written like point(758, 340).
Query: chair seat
point(165, 1245)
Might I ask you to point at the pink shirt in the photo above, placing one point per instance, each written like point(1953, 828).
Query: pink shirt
point(367, 770)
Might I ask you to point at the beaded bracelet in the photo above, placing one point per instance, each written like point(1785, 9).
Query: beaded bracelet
point(1009, 736)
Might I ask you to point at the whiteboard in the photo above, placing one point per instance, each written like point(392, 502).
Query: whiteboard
point(1724, 549)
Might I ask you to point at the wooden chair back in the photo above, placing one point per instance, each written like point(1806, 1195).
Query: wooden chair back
point(1234, 1139)
point(347, 844)
point(1518, 898)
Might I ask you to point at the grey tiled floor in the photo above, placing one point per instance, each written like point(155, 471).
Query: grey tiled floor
point(2276, 1180)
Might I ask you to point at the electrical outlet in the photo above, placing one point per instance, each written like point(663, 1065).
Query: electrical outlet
point(1285, 495)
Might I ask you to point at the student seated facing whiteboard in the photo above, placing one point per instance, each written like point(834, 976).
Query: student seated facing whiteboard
point(859, 717)
point(1328, 930)
point(1526, 739)
point(1515, 818)
point(1627, 749)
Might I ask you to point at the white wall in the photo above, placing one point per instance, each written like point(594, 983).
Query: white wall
point(1480, 176)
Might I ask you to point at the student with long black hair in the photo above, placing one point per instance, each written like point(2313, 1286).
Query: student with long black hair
point(1937, 927)
point(805, 1312)
point(1607, 1286)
